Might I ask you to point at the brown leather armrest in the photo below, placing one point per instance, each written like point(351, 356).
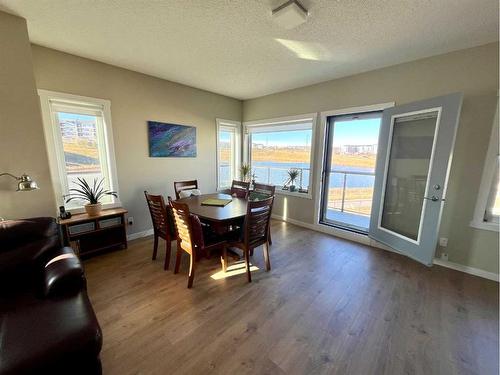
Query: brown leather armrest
point(63, 274)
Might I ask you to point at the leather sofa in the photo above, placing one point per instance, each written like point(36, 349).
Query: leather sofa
point(47, 323)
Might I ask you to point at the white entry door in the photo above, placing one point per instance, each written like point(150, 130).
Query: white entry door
point(413, 164)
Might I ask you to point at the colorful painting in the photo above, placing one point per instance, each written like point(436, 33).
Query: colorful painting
point(171, 140)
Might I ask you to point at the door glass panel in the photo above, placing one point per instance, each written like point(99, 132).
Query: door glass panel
point(350, 171)
point(409, 159)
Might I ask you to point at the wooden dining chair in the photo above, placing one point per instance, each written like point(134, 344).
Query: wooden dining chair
point(262, 191)
point(163, 225)
point(184, 185)
point(190, 238)
point(240, 189)
point(255, 233)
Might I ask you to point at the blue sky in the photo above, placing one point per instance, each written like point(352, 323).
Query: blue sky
point(224, 136)
point(294, 138)
point(359, 132)
point(74, 116)
point(356, 132)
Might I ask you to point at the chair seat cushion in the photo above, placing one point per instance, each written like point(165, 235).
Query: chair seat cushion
point(40, 334)
point(189, 192)
point(256, 196)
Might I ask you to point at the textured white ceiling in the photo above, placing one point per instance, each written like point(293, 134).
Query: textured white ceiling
point(232, 47)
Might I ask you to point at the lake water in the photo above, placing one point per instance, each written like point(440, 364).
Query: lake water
point(276, 174)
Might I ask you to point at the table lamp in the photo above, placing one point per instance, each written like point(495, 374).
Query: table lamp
point(24, 182)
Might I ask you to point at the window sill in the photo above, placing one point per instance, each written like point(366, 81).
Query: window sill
point(81, 209)
point(484, 225)
point(294, 194)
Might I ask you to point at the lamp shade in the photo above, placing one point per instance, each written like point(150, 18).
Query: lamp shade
point(26, 183)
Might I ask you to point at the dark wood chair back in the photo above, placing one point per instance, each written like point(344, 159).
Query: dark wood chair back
point(260, 192)
point(163, 224)
point(159, 215)
point(257, 220)
point(240, 189)
point(183, 228)
point(264, 189)
point(184, 185)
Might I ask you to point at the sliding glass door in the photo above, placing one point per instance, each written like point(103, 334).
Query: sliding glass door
point(349, 170)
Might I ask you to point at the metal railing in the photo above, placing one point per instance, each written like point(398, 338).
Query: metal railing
point(278, 176)
point(281, 177)
point(359, 201)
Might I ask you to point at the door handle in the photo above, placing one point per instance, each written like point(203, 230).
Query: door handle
point(434, 198)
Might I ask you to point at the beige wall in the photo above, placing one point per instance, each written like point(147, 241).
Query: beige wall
point(136, 98)
point(22, 145)
point(474, 72)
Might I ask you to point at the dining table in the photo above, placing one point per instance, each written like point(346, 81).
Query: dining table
point(218, 216)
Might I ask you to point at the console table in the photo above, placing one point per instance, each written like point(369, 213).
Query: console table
point(90, 234)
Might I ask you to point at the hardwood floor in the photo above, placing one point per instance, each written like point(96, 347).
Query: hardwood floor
point(328, 306)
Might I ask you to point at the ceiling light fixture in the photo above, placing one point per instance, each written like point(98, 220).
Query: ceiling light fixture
point(290, 14)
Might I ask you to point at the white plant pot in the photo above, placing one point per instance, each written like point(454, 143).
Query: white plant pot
point(93, 209)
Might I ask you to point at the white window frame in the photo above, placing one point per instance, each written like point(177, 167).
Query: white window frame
point(482, 219)
point(231, 126)
point(283, 123)
point(54, 144)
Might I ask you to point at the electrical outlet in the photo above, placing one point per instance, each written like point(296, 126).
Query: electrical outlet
point(130, 220)
point(443, 242)
point(444, 256)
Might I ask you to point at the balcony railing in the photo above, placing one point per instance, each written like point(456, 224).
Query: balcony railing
point(279, 176)
point(354, 196)
point(349, 191)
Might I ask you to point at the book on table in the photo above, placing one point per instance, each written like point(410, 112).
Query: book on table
point(216, 202)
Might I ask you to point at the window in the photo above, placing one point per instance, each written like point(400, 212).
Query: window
point(492, 212)
point(79, 144)
point(276, 147)
point(487, 212)
point(228, 152)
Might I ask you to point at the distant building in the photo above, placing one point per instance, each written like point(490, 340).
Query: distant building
point(74, 130)
point(258, 146)
point(359, 149)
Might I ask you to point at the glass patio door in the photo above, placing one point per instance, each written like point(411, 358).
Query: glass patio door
point(415, 149)
point(349, 170)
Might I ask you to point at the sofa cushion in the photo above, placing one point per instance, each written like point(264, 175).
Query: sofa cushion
point(37, 334)
point(16, 233)
point(22, 243)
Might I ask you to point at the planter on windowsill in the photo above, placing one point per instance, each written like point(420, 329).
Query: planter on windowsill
point(93, 209)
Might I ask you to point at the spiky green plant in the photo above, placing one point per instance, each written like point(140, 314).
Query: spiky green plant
point(245, 171)
point(293, 174)
point(92, 194)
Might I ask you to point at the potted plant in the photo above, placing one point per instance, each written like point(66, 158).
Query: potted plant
point(90, 194)
point(293, 174)
point(245, 171)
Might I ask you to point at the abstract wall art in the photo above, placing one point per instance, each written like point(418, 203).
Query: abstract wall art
point(171, 140)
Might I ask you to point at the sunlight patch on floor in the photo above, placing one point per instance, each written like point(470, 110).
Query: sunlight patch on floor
point(233, 270)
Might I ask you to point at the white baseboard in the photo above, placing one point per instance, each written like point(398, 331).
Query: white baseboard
point(144, 233)
point(337, 232)
point(470, 270)
point(365, 240)
point(356, 237)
